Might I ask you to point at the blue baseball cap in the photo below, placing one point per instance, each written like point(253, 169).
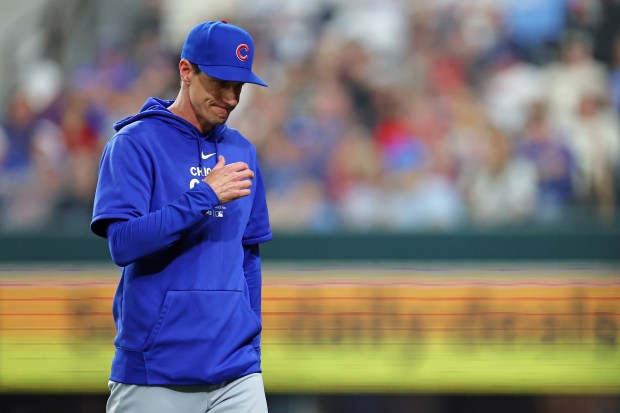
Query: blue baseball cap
point(223, 51)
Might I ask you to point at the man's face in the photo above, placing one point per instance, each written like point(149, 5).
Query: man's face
point(213, 99)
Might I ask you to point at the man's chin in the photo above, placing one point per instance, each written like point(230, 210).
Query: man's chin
point(221, 117)
point(218, 120)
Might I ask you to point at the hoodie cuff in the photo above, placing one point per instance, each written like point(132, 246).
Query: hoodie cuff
point(209, 192)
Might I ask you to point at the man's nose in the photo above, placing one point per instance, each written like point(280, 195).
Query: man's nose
point(230, 96)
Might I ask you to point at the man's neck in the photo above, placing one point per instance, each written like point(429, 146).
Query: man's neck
point(183, 109)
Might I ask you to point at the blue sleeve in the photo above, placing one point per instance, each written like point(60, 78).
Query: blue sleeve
point(253, 277)
point(125, 185)
point(136, 238)
point(258, 229)
point(123, 195)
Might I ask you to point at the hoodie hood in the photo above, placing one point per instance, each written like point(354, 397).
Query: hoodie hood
point(158, 108)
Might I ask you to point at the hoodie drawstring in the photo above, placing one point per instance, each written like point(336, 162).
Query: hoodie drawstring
point(198, 139)
point(217, 154)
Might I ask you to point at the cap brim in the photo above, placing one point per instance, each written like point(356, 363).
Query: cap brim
point(233, 74)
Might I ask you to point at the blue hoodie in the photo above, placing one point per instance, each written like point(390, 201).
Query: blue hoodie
point(187, 307)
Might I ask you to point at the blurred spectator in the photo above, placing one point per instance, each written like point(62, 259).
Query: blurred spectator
point(419, 193)
point(18, 125)
point(574, 75)
point(107, 82)
point(535, 26)
point(354, 74)
point(594, 137)
point(546, 148)
point(502, 189)
point(354, 186)
point(31, 168)
point(510, 89)
point(79, 129)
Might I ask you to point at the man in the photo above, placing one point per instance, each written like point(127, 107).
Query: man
point(181, 202)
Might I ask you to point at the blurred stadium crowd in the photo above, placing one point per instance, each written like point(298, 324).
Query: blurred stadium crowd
point(380, 115)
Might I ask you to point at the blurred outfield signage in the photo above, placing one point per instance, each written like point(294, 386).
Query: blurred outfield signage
point(484, 329)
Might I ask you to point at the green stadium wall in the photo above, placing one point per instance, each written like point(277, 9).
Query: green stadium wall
point(466, 246)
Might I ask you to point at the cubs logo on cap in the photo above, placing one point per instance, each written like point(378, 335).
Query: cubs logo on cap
point(242, 52)
point(223, 51)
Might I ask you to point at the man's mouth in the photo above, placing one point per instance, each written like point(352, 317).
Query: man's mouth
point(220, 110)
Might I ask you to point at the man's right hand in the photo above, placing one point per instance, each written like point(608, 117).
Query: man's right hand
point(230, 182)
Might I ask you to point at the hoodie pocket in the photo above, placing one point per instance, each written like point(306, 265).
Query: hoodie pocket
point(202, 337)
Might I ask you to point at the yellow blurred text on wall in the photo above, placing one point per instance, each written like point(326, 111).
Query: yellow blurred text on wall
point(351, 329)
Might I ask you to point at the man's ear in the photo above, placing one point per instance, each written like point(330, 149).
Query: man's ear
point(185, 71)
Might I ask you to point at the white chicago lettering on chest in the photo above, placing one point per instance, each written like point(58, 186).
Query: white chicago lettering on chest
point(198, 171)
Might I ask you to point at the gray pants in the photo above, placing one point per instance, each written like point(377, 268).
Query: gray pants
point(244, 395)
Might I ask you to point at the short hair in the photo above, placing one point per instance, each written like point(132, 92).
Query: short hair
point(195, 68)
